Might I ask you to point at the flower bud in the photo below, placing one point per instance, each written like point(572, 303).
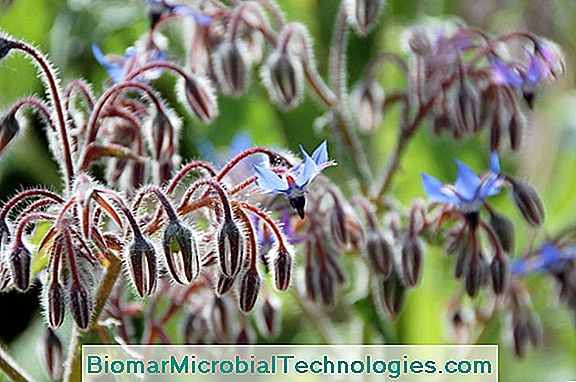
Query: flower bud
point(326, 288)
point(504, 230)
point(55, 304)
point(283, 77)
point(363, 14)
point(411, 261)
point(367, 100)
point(201, 99)
point(380, 251)
point(141, 258)
point(9, 128)
point(231, 69)
point(5, 280)
point(474, 275)
point(161, 127)
point(500, 272)
point(528, 202)
point(230, 249)
point(80, 305)
point(268, 318)
point(338, 226)
point(245, 336)
point(5, 47)
point(310, 282)
point(467, 108)
point(220, 318)
point(224, 285)
point(282, 269)
point(181, 252)
point(19, 260)
point(52, 355)
point(516, 129)
point(390, 295)
point(249, 289)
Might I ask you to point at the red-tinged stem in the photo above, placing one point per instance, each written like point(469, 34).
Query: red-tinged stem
point(264, 217)
point(81, 87)
point(247, 153)
point(212, 183)
point(186, 170)
point(24, 222)
point(36, 104)
point(28, 194)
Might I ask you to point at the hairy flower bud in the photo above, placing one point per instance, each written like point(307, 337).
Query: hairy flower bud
point(249, 289)
point(55, 304)
point(326, 284)
point(516, 129)
point(52, 355)
point(220, 318)
point(268, 317)
point(380, 251)
point(19, 260)
point(367, 100)
point(504, 230)
point(411, 261)
point(310, 282)
point(528, 202)
point(141, 258)
point(161, 127)
point(390, 295)
point(80, 304)
point(9, 128)
point(181, 252)
point(5, 47)
point(363, 14)
point(230, 248)
point(338, 226)
point(500, 272)
point(283, 77)
point(474, 275)
point(231, 69)
point(282, 268)
point(224, 285)
point(466, 112)
point(201, 99)
point(5, 279)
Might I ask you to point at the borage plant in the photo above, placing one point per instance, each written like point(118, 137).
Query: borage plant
point(156, 239)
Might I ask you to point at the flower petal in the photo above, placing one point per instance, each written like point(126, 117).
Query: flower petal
point(495, 163)
point(308, 173)
point(434, 190)
point(320, 155)
point(467, 182)
point(115, 70)
point(503, 74)
point(268, 181)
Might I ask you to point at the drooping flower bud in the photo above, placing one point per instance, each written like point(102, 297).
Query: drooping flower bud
point(249, 289)
point(230, 248)
point(338, 226)
point(380, 251)
point(528, 202)
point(220, 318)
point(201, 99)
point(19, 260)
point(516, 129)
point(80, 304)
point(55, 304)
point(500, 272)
point(268, 317)
point(231, 69)
point(363, 14)
point(224, 285)
point(52, 355)
point(283, 77)
point(5, 280)
point(9, 128)
point(282, 268)
point(161, 127)
point(367, 100)
point(245, 336)
point(474, 275)
point(466, 111)
point(5, 47)
point(390, 295)
point(141, 258)
point(326, 284)
point(411, 260)
point(504, 230)
point(181, 252)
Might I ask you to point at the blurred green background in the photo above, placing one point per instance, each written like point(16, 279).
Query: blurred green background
point(66, 29)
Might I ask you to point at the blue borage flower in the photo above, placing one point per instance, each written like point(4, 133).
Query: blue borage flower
point(550, 258)
point(180, 9)
point(293, 183)
point(118, 67)
point(469, 191)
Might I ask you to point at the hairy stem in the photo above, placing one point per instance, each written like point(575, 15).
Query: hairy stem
point(12, 370)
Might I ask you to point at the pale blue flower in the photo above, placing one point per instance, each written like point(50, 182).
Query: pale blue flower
point(550, 258)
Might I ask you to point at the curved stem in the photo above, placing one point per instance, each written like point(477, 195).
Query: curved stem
point(212, 183)
point(12, 370)
point(28, 194)
point(264, 217)
point(272, 155)
point(37, 104)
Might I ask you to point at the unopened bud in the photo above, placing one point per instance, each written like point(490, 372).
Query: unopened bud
point(9, 128)
point(310, 282)
point(5, 47)
point(467, 108)
point(231, 69)
point(504, 230)
point(55, 304)
point(367, 101)
point(474, 275)
point(181, 252)
point(528, 202)
point(283, 77)
point(161, 126)
point(363, 14)
point(500, 272)
point(380, 251)
point(141, 258)
point(411, 261)
point(390, 296)
point(19, 260)
point(224, 285)
point(516, 129)
point(249, 289)
point(268, 317)
point(230, 248)
point(326, 288)
point(80, 305)
point(220, 318)
point(338, 226)
point(52, 355)
point(201, 99)
point(282, 268)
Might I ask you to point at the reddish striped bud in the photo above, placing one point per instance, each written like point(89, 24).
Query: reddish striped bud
point(181, 252)
point(363, 14)
point(504, 230)
point(80, 304)
point(338, 226)
point(500, 272)
point(55, 304)
point(19, 260)
point(390, 295)
point(283, 77)
point(231, 69)
point(411, 260)
point(230, 248)
point(380, 252)
point(224, 285)
point(9, 128)
point(367, 100)
point(201, 99)
point(141, 258)
point(268, 318)
point(52, 355)
point(282, 268)
point(249, 289)
point(327, 288)
point(220, 318)
point(528, 202)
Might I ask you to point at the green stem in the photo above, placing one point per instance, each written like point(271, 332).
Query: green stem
point(12, 370)
point(323, 326)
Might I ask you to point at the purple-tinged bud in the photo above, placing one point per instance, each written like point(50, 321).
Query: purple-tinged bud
point(141, 258)
point(230, 248)
point(380, 252)
point(161, 126)
point(19, 260)
point(338, 226)
point(500, 272)
point(282, 268)
point(80, 305)
point(516, 129)
point(224, 285)
point(326, 284)
point(201, 99)
point(363, 14)
point(245, 336)
point(181, 252)
point(467, 108)
point(249, 289)
point(268, 317)
point(5, 47)
point(231, 69)
point(9, 128)
point(220, 318)
point(474, 275)
point(283, 77)
point(367, 100)
point(528, 202)
point(504, 230)
point(411, 261)
point(390, 295)
point(462, 261)
point(52, 355)
point(5, 280)
point(55, 304)
point(310, 282)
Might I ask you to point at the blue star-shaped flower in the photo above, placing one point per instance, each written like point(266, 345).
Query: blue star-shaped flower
point(469, 191)
point(550, 259)
point(294, 182)
point(117, 67)
point(183, 10)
